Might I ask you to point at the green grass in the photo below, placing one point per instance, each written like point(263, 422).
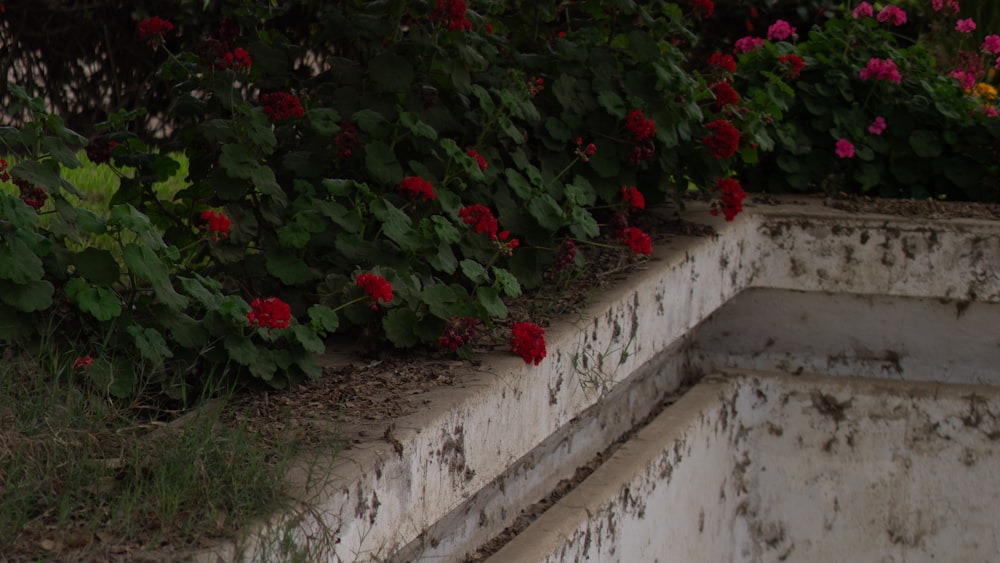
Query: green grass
point(79, 473)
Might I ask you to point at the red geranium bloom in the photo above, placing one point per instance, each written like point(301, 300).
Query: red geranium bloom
point(633, 197)
point(376, 287)
point(415, 186)
point(32, 195)
point(281, 105)
point(793, 63)
point(239, 60)
point(347, 140)
point(481, 219)
point(722, 60)
point(730, 199)
point(4, 175)
point(154, 27)
point(83, 363)
point(638, 241)
point(641, 127)
point(528, 341)
point(452, 12)
point(724, 94)
point(566, 255)
point(270, 313)
point(723, 139)
point(458, 332)
point(216, 223)
point(479, 159)
point(704, 8)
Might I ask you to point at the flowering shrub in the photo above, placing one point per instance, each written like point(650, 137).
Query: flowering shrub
point(333, 174)
point(871, 111)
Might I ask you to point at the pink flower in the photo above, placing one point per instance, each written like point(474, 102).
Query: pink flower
point(878, 69)
point(990, 112)
point(747, 44)
point(864, 10)
point(878, 126)
point(893, 15)
point(966, 78)
point(939, 4)
point(845, 149)
point(968, 25)
point(991, 44)
point(780, 30)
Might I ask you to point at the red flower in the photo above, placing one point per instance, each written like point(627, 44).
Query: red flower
point(216, 223)
point(723, 139)
point(281, 105)
point(633, 197)
point(458, 332)
point(4, 175)
point(704, 8)
point(640, 127)
point(154, 27)
point(638, 241)
point(415, 186)
point(724, 95)
point(724, 61)
point(83, 363)
point(731, 198)
point(642, 151)
point(528, 341)
point(270, 313)
point(99, 152)
point(376, 287)
point(793, 64)
point(536, 85)
point(452, 12)
point(239, 60)
point(347, 140)
point(566, 255)
point(481, 219)
point(479, 159)
point(34, 196)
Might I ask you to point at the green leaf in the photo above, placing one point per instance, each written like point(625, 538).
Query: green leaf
point(412, 122)
point(445, 260)
point(557, 129)
point(473, 270)
point(381, 163)
point(326, 121)
point(373, 123)
point(308, 338)
point(14, 324)
point(485, 100)
point(489, 300)
point(99, 302)
point(926, 144)
point(517, 183)
point(150, 343)
point(507, 281)
point(187, 332)
point(391, 71)
point(60, 152)
point(20, 215)
point(263, 178)
point(196, 289)
point(511, 130)
point(288, 268)
point(445, 229)
point(396, 224)
point(399, 327)
point(613, 103)
point(582, 224)
point(441, 299)
point(241, 349)
point(32, 296)
point(143, 262)
point(18, 263)
point(44, 174)
point(260, 132)
point(97, 265)
point(547, 212)
point(323, 319)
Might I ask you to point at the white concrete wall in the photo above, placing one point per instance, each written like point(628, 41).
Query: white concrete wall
point(374, 500)
point(778, 468)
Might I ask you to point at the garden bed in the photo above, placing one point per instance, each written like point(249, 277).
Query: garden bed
point(446, 478)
